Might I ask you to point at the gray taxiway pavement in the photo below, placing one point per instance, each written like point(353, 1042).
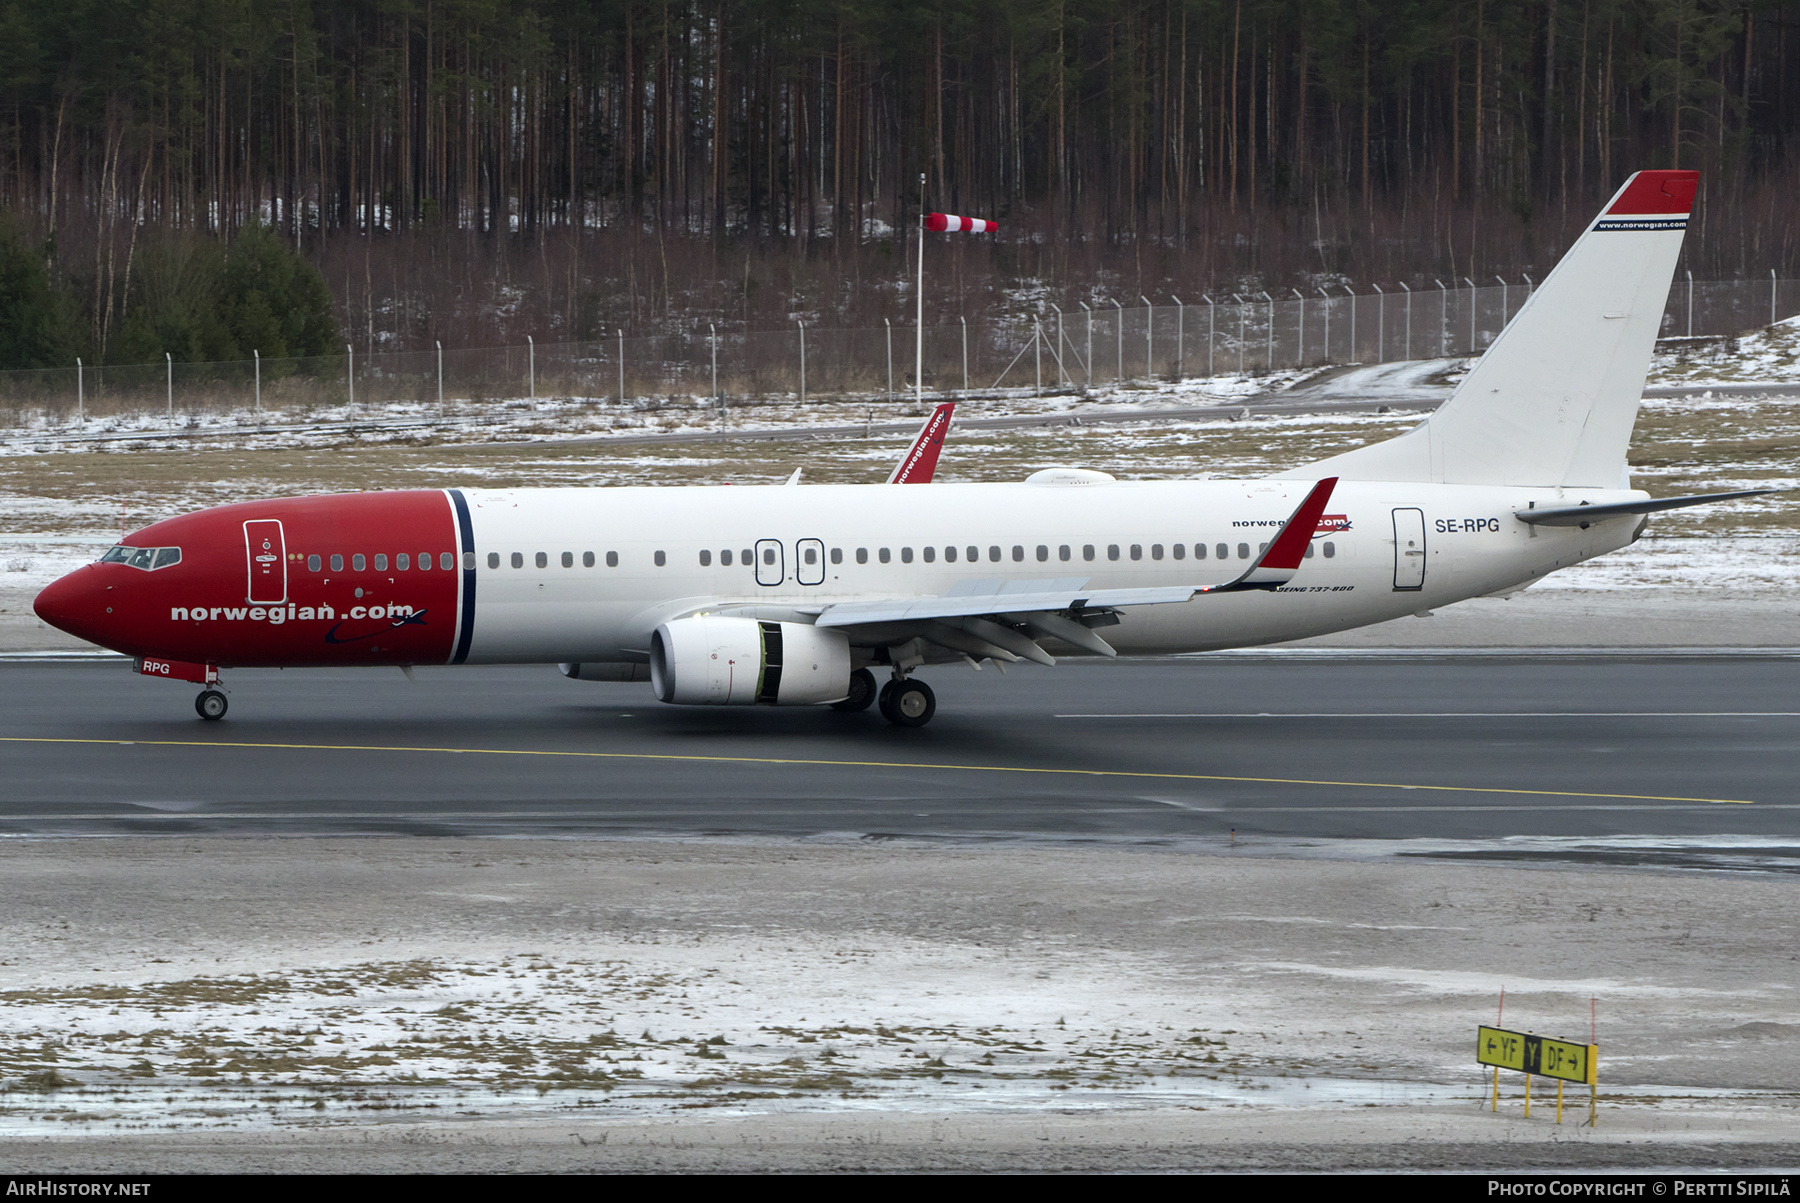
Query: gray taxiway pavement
point(1622, 757)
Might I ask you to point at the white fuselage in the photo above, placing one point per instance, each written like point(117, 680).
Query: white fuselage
point(1364, 567)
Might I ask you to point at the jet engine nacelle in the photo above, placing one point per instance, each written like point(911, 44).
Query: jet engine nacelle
point(710, 660)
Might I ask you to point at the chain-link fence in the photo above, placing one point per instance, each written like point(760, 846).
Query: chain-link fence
point(697, 363)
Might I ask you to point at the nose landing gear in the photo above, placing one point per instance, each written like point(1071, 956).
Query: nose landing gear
point(211, 705)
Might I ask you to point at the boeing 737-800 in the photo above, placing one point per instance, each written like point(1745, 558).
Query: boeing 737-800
point(778, 595)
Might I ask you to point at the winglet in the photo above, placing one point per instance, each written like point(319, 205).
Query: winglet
point(920, 461)
point(1277, 566)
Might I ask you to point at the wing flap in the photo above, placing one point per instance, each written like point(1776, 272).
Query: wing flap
point(974, 605)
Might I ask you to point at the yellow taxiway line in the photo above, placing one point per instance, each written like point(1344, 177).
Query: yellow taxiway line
point(868, 764)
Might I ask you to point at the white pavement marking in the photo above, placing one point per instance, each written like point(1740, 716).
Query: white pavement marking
point(1463, 714)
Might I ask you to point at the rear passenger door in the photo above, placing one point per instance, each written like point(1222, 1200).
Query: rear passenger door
point(1409, 550)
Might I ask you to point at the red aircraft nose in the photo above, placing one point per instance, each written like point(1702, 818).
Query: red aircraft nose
point(74, 603)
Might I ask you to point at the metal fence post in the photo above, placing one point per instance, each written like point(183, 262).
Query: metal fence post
point(1089, 343)
point(1443, 315)
point(1241, 308)
point(1119, 317)
point(1037, 353)
point(1300, 332)
point(257, 355)
point(169, 361)
point(1180, 337)
point(440, 370)
point(1505, 313)
point(1327, 307)
point(1059, 349)
point(1269, 355)
point(1690, 305)
point(1408, 344)
point(1352, 293)
point(80, 391)
point(712, 336)
point(890, 352)
point(965, 342)
point(350, 371)
point(1211, 327)
point(530, 368)
point(802, 326)
point(1471, 285)
point(1149, 338)
point(621, 367)
point(1771, 296)
point(1380, 324)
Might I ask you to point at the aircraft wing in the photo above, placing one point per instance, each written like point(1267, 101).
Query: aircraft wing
point(1002, 620)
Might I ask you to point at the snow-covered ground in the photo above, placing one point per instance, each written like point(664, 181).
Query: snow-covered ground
point(322, 985)
point(1767, 356)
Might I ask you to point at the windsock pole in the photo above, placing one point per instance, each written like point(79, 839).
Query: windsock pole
point(940, 223)
point(919, 334)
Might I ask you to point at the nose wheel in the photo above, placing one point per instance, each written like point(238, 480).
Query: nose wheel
point(907, 703)
point(211, 705)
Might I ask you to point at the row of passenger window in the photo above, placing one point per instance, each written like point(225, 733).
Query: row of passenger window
point(1089, 551)
point(542, 559)
point(884, 555)
point(402, 562)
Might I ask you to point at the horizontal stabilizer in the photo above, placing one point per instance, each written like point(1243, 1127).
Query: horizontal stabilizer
point(1586, 515)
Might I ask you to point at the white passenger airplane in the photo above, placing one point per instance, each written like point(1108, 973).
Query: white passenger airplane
point(796, 596)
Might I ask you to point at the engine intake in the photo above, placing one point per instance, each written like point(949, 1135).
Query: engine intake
point(709, 660)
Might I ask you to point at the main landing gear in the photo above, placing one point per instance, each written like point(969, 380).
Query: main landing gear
point(907, 703)
point(211, 705)
point(862, 692)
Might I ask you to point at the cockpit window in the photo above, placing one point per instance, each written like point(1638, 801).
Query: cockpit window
point(147, 558)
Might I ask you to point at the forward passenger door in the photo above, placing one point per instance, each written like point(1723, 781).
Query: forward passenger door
point(266, 552)
point(771, 563)
point(809, 562)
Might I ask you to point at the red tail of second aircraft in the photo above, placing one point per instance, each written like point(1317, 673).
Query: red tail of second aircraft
point(920, 461)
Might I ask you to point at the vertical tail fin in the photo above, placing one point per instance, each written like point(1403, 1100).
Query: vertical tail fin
point(920, 461)
point(1553, 400)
